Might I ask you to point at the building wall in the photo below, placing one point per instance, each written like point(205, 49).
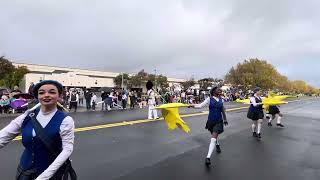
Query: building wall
point(72, 77)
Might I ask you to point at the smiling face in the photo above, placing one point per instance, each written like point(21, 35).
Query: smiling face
point(48, 95)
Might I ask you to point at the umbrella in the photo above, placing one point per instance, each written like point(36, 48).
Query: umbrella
point(18, 103)
point(23, 95)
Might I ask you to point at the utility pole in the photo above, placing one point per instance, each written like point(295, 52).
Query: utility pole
point(121, 81)
point(155, 79)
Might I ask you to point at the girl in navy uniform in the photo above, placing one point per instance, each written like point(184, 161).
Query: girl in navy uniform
point(255, 113)
point(275, 113)
point(216, 120)
point(38, 161)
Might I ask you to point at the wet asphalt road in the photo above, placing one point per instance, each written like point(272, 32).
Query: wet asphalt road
point(150, 151)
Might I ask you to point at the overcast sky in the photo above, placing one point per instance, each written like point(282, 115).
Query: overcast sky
point(179, 38)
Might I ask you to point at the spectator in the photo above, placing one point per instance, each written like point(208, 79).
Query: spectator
point(30, 88)
point(103, 97)
point(93, 101)
point(15, 90)
point(139, 99)
point(81, 96)
point(124, 100)
point(87, 96)
point(108, 101)
point(183, 97)
point(74, 99)
point(132, 99)
point(4, 104)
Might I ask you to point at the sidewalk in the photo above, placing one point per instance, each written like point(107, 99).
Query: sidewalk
point(81, 108)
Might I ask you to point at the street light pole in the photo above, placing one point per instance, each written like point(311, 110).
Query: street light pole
point(122, 81)
point(155, 79)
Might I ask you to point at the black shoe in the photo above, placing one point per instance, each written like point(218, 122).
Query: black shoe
point(269, 124)
point(218, 150)
point(259, 136)
point(254, 134)
point(208, 162)
point(280, 125)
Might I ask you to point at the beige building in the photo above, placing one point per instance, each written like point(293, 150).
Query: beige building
point(72, 77)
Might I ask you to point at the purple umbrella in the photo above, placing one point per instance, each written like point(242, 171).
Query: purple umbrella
point(16, 104)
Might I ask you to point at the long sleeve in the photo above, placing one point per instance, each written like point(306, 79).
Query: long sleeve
point(204, 103)
point(224, 113)
point(12, 130)
point(67, 136)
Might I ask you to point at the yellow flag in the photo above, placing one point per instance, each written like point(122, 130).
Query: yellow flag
point(170, 113)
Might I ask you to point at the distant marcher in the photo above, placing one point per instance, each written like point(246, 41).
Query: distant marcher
point(274, 111)
point(255, 113)
point(152, 112)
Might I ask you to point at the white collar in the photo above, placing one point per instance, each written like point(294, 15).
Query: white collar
point(48, 113)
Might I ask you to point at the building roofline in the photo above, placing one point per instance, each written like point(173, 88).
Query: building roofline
point(60, 67)
point(170, 79)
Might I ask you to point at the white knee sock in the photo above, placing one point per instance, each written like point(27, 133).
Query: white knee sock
point(269, 117)
point(211, 147)
point(279, 120)
point(155, 114)
point(253, 126)
point(259, 127)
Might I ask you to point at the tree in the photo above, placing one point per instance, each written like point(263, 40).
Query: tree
point(300, 86)
point(283, 84)
point(162, 81)
point(11, 76)
point(205, 83)
point(253, 73)
point(118, 79)
point(6, 69)
point(15, 78)
point(189, 83)
point(139, 78)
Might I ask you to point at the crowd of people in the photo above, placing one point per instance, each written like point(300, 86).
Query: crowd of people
point(73, 98)
point(13, 101)
point(115, 98)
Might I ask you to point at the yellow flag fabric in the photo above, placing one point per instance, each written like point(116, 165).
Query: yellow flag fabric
point(245, 101)
point(271, 100)
point(170, 113)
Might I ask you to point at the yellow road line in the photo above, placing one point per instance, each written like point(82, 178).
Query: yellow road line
point(125, 123)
